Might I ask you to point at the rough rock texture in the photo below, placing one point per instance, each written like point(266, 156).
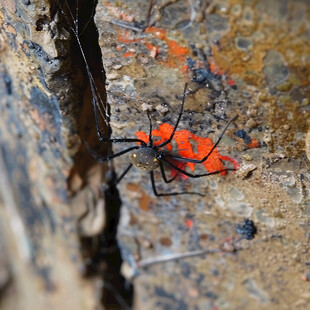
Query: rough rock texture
point(58, 225)
point(41, 265)
point(254, 61)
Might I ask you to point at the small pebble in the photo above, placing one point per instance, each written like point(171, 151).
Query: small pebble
point(146, 107)
point(112, 76)
point(247, 157)
point(161, 110)
point(251, 123)
point(117, 67)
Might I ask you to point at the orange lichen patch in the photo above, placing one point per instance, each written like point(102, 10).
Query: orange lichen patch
point(174, 48)
point(254, 144)
point(189, 224)
point(176, 52)
point(231, 82)
point(124, 37)
point(118, 12)
point(154, 50)
point(214, 68)
point(127, 17)
point(128, 54)
point(157, 32)
point(184, 68)
point(185, 149)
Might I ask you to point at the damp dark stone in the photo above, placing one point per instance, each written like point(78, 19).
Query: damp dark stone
point(247, 139)
point(243, 44)
point(275, 69)
point(240, 133)
point(247, 229)
point(40, 23)
point(243, 135)
point(216, 23)
point(8, 83)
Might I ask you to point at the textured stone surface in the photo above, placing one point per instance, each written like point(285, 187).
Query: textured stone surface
point(256, 66)
point(259, 51)
point(40, 250)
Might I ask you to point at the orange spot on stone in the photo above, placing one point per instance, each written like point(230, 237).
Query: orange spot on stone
point(176, 52)
point(128, 54)
point(184, 68)
point(154, 49)
point(158, 32)
point(189, 224)
point(127, 18)
point(125, 38)
point(176, 49)
point(231, 82)
point(254, 144)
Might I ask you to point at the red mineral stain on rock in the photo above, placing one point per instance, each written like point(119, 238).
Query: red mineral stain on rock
point(185, 149)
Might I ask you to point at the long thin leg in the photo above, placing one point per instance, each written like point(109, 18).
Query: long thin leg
point(196, 175)
point(199, 161)
point(123, 174)
point(121, 140)
point(178, 120)
point(101, 159)
point(169, 194)
point(163, 173)
point(149, 9)
point(150, 132)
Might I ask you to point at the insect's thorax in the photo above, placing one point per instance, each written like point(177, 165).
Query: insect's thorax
point(145, 159)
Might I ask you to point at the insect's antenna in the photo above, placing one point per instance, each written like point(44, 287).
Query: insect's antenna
point(97, 101)
point(178, 120)
point(150, 132)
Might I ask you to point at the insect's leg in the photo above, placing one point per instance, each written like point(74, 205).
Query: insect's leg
point(219, 138)
point(163, 173)
point(150, 132)
point(169, 194)
point(102, 159)
point(196, 175)
point(121, 140)
point(197, 161)
point(178, 120)
point(149, 10)
point(123, 174)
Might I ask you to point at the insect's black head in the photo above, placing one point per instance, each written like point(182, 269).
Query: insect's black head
point(145, 159)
